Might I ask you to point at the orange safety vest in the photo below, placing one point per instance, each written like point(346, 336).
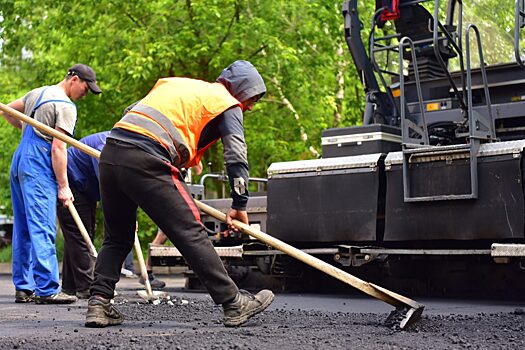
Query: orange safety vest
point(175, 112)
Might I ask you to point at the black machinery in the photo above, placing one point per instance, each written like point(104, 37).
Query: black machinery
point(435, 172)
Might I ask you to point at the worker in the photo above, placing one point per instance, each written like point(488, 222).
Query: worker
point(38, 177)
point(170, 128)
point(82, 172)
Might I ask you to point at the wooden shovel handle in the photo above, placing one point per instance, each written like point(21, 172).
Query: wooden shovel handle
point(50, 131)
point(142, 266)
point(82, 229)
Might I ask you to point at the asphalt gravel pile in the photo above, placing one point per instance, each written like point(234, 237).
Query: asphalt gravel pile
point(188, 323)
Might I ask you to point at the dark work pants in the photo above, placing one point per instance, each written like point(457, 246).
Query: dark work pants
point(131, 178)
point(78, 264)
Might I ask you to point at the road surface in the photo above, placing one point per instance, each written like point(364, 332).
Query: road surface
point(293, 321)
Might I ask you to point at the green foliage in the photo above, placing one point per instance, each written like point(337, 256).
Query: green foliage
point(298, 47)
point(59, 244)
point(132, 44)
point(5, 254)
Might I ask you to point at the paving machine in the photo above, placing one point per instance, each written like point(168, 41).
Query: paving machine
point(429, 188)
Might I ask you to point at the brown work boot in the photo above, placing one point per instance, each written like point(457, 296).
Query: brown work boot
point(24, 296)
point(57, 298)
point(101, 313)
point(244, 306)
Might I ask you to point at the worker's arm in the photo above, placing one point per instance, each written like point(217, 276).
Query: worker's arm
point(235, 156)
point(236, 159)
point(229, 127)
point(19, 106)
point(59, 162)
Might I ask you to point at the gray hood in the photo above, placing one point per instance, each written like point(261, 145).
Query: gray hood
point(242, 80)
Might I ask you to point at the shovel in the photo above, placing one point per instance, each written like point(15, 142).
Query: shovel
point(407, 311)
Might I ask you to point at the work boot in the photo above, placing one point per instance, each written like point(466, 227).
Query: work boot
point(101, 313)
point(244, 306)
point(57, 298)
point(24, 296)
point(153, 281)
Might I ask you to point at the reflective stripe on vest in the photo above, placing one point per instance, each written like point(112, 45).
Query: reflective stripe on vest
point(157, 126)
point(174, 114)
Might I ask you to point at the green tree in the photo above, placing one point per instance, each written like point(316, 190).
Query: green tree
point(297, 46)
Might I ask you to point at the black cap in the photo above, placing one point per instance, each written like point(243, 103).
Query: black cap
point(87, 74)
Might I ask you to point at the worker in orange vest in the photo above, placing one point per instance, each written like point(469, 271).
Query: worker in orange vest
point(169, 129)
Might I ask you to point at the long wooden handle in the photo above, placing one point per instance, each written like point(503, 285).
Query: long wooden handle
point(142, 266)
point(50, 131)
point(368, 288)
point(82, 229)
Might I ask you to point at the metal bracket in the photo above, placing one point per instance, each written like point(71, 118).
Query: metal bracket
point(352, 256)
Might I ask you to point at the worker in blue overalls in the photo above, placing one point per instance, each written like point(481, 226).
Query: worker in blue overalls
point(38, 177)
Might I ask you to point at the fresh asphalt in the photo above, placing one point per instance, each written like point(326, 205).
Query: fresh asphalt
point(21, 319)
point(293, 321)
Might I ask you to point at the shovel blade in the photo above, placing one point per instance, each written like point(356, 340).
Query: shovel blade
point(403, 317)
point(154, 298)
point(411, 317)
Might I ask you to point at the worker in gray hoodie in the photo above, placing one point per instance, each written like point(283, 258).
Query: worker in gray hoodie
point(170, 129)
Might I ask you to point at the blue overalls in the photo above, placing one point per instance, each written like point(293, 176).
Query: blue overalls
point(34, 196)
